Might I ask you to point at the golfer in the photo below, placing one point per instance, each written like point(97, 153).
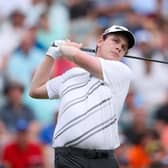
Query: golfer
point(91, 98)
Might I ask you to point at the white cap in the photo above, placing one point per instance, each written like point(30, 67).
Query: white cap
point(124, 31)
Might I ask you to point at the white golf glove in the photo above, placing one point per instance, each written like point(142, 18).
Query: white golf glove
point(54, 49)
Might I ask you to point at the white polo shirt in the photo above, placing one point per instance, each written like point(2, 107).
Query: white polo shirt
point(89, 107)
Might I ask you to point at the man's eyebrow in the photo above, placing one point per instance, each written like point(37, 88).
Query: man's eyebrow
point(125, 41)
point(121, 39)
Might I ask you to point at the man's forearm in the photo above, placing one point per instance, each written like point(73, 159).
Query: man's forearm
point(38, 88)
point(89, 63)
point(40, 78)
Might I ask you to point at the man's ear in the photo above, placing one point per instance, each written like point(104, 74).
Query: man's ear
point(99, 41)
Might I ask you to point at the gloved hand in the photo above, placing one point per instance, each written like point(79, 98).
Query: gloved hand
point(54, 49)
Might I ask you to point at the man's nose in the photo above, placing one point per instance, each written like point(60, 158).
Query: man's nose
point(118, 48)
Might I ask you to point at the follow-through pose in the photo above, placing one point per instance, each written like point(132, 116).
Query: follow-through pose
point(91, 98)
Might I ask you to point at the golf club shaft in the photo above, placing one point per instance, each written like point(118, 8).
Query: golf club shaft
point(129, 56)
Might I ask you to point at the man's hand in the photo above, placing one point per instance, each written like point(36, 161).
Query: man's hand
point(54, 49)
point(69, 49)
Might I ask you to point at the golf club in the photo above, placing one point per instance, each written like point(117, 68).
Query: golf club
point(129, 56)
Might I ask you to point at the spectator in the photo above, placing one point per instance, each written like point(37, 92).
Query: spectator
point(149, 76)
point(137, 153)
point(47, 132)
point(161, 123)
point(51, 25)
point(133, 104)
point(132, 20)
point(7, 8)
point(121, 153)
point(161, 113)
point(22, 153)
point(150, 7)
point(5, 138)
point(61, 65)
point(137, 126)
point(11, 31)
point(14, 109)
point(79, 9)
point(34, 10)
point(24, 60)
point(46, 135)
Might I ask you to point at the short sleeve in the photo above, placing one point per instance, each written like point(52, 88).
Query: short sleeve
point(115, 73)
point(53, 87)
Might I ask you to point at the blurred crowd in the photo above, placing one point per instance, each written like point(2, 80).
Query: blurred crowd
point(27, 28)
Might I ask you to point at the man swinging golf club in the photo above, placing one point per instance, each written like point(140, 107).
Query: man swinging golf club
point(91, 98)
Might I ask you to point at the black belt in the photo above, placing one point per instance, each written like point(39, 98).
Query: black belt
point(87, 153)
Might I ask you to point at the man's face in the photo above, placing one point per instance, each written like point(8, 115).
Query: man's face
point(22, 138)
point(113, 47)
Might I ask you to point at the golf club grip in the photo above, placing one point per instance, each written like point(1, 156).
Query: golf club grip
point(88, 50)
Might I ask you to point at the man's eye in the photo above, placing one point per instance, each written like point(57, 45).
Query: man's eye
point(115, 40)
point(124, 48)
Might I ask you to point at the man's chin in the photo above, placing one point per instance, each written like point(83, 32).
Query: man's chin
point(115, 58)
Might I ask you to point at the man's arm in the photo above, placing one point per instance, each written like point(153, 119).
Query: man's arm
point(69, 50)
point(38, 87)
point(72, 51)
point(41, 76)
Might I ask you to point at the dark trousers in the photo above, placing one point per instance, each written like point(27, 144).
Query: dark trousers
point(68, 157)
